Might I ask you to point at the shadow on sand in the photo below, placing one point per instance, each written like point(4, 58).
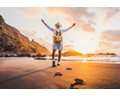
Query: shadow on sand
point(20, 76)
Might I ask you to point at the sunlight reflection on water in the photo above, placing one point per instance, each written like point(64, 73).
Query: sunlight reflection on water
point(84, 60)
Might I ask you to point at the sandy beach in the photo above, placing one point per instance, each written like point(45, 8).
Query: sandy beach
point(28, 73)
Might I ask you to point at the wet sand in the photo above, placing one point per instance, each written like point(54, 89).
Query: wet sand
point(28, 73)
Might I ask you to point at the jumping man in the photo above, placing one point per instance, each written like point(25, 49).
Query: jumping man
point(57, 40)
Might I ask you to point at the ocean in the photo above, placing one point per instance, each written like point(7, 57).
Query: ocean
point(97, 59)
point(101, 59)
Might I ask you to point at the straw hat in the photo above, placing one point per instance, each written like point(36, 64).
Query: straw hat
point(58, 24)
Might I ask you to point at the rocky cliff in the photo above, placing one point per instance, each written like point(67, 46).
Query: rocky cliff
point(13, 41)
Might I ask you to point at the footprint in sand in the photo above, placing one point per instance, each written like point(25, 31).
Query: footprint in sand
point(77, 81)
point(58, 74)
point(68, 68)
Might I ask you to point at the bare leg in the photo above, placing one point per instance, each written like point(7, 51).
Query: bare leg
point(53, 54)
point(53, 58)
point(59, 56)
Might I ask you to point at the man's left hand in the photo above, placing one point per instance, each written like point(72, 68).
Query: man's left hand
point(74, 24)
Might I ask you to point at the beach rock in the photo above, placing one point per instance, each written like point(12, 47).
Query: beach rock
point(57, 74)
point(68, 68)
point(77, 81)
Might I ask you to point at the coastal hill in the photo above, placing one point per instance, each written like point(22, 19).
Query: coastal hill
point(75, 53)
point(40, 48)
point(13, 41)
point(72, 53)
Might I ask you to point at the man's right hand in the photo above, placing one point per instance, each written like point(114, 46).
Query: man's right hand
point(42, 20)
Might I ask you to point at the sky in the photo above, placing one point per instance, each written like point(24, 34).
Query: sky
point(97, 29)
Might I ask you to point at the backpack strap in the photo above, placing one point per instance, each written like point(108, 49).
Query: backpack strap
point(58, 32)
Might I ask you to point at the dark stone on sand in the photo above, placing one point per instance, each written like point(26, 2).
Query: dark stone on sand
point(77, 81)
point(57, 74)
point(68, 68)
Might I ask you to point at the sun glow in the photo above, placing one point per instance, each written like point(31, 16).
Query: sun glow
point(85, 49)
point(86, 45)
point(84, 60)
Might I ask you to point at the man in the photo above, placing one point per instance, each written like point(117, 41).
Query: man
point(57, 40)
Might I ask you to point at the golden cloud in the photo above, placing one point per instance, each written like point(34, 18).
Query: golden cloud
point(110, 41)
point(111, 12)
point(76, 15)
point(30, 12)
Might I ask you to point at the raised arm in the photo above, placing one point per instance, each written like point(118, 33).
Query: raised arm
point(50, 28)
point(64, 30)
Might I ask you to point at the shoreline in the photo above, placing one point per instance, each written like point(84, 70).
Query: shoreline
point(82, 59)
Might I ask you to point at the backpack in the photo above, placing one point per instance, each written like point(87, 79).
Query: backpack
point(57, 38)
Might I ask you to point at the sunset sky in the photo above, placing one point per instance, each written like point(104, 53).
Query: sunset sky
point(96, 30)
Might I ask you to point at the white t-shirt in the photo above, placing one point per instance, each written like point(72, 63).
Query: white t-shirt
point(54, 29)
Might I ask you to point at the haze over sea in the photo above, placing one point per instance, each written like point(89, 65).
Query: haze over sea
point(97, 59)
